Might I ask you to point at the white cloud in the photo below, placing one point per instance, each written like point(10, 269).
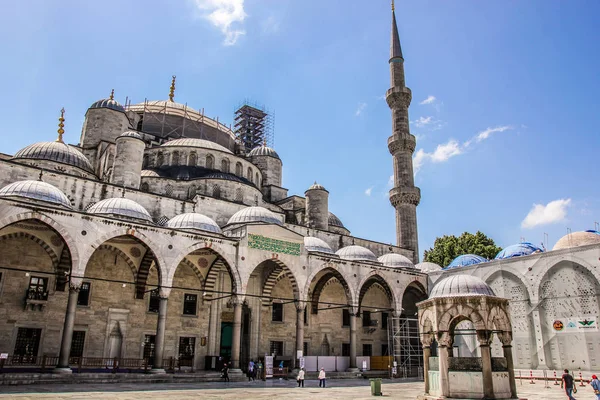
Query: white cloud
point(428, 100)
point(222, 14)
point(486, 133)
point(442, 153)
point(540, 214)
point(270, 25)
point(391, 181)
point(369, 191)
point(360, 109)
point(423, 121)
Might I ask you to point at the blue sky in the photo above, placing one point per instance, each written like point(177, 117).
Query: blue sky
point(507, 142)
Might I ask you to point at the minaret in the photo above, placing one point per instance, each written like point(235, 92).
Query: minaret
point(404, 196)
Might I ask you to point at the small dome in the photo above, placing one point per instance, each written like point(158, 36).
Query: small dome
point(120, 207)
point(150, 173)
point(263, 151)
point(193, 221)
point(428, 267)
point(356, 253)
point(312, 243)
point(466, 260)
point(335, 221)
point(108, 103)
point(516, 250)
point(395, 261)
point(57, 152)
point(199, 143)
point(36, 190)
point(460, 285)
point(577, 239)
point(132, 134)
point(316, 186)
point(254, 214)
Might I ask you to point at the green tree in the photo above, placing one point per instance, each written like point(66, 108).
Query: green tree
point(448, 247)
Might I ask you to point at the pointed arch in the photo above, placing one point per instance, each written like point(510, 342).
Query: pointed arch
point(374, 278)
point(123, 255)
point(276, 274)
point(333, 268)
point(328, 275)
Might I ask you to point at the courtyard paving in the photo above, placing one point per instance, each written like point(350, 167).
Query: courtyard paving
point(337, 389)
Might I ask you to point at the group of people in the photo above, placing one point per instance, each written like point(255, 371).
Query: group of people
point(568, 383)
point(322, 377)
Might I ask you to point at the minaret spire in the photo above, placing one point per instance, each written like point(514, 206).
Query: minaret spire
point(404, 196)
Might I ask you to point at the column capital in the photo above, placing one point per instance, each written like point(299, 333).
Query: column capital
point(506, 338)
point(164, 293)
point(426, 339)
point(300, 306)
point(445, 339)
point(484, 337)
point(75, 283)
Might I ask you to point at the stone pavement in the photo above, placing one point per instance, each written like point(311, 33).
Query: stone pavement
point(337, 389)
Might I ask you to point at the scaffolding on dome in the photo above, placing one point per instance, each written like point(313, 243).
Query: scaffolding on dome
point(169, 120)
point(253, 126)
point(404, 346)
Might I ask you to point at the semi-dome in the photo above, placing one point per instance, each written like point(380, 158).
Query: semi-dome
point(312, 243)
point(427, 267)
point(356, 253)
point(465, 260)
point(335, 221)
point(263, 151)
point(108, 103)
point(199, 143)
point(132, 134)
point(57, 152)
point(120, 207)
point(254, 214)
point(517, 250)
point(193, 221)
point(36, 190)
point(395, 261)
point(577, 239)
point(461, 285)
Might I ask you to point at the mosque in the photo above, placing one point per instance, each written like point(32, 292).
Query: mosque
point(166, 235)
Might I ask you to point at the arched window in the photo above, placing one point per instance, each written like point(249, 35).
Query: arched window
point(225, 165)
point(216, 191)
point(256, 182)
point(249, 174)
point(193, 160)
point(239, 196)
point(160, 159)
point(145, 187)
point(175, 158)
point(210, 162)
point(239, 169)
point(145, 162)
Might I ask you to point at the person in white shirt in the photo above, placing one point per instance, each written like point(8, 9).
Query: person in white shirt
point(300, 378)
point(322, 378)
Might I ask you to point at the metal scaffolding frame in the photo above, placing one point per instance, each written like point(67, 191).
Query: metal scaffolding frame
point(253, 126)
point(404, 345)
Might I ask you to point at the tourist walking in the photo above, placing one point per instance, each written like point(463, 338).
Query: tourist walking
point(322, 377)
point(567, 383)
point(300, 377)
point(595, 384)
point(225, 373)
point(251, 370)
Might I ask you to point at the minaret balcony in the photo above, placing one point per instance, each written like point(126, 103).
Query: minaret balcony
point(398, 97)
point(405, 195)
point(397, 144)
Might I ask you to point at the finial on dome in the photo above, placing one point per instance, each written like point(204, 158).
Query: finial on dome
point(112, 94)
point(393, 8)
point(264, 142)
point(61, 125)
point(172, 91)
point(41, 174)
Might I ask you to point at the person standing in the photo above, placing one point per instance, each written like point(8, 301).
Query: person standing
point(301, 377)
point(251, 370)
point(567, 383)
point(322, 377)
point(225, 373)
point(595, 384)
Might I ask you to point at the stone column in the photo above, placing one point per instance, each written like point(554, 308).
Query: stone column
point(237, 334)
point(159, 342)
point(506, 338)
point(299, 332)
point(484, 338)
point(539, 340)
point(444, 341)
point(353, 344)
point(67, 336)
point(426, 342)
